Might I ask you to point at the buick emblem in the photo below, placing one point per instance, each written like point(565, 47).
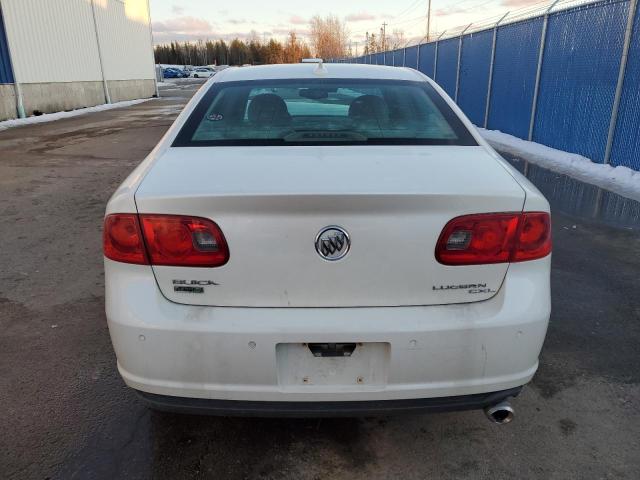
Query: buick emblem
point(333, 243)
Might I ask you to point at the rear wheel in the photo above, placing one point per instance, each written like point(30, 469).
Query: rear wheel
point(195, 75)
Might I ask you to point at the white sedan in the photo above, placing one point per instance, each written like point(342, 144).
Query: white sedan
point(326, 240)
point(202, 72)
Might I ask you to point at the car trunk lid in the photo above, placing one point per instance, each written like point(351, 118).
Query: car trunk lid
point(272, 202)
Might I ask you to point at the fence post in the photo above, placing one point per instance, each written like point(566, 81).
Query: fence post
point(536, 88)
point(435, 56)
point(493, 59)
point(633, 5)
point(418, 53)
point(455, 96)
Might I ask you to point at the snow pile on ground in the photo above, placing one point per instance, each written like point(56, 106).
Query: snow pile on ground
point(621, 180)
point(50, 117)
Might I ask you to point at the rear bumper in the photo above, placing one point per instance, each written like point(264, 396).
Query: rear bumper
point(222, 353)
point(238, 408)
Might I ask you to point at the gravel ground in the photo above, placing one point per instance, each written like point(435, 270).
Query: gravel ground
point(67, 414)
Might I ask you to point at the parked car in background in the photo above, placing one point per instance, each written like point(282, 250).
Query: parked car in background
point(202, 72)
point(174, 73)
point(326, 240)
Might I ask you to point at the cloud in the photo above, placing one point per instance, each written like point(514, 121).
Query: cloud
point(184, 28)
point(518, 3)
point(360, 17)
point(297, 20)
point(282, 32)
point(453, 10)
point(177, 10)
point(183, 25)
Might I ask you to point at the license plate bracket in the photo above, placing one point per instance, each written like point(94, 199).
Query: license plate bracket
point(315, 366)
point(332, 349)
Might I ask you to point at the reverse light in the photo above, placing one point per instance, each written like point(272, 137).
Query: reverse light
point(177, 240)
point(169, 240)
point(495, 238)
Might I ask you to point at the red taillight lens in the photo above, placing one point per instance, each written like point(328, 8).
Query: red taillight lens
point(534, 237)
point(494, 238)
point(176, 240)
point(122, 240)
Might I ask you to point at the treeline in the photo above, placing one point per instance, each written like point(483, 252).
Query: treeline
point(237, 52)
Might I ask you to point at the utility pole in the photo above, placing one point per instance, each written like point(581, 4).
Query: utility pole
point(428, 20)
point(384, 36)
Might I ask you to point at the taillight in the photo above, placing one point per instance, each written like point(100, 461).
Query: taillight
point(176, 240)
point(170, 240)
point(122, 239)
point(495, 238)
point(534, 237)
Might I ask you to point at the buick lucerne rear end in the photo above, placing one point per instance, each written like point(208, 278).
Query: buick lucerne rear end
point(318, 239)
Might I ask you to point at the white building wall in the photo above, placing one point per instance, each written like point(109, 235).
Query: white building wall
point(123, 26)
point(51, 40)
point(55, 40)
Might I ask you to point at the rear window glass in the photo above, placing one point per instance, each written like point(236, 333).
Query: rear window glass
point(323, 111)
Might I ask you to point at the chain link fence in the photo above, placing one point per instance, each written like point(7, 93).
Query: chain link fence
point(566, 74)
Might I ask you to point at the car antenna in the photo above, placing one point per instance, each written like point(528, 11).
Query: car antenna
point(320, 69)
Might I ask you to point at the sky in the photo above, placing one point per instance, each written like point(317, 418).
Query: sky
point(210, 19)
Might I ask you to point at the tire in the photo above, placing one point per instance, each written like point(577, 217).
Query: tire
point(195, 75)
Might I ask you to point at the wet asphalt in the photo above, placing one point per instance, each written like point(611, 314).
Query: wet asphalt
point(66, 413)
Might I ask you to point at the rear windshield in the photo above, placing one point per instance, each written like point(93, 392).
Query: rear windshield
point(321, 112)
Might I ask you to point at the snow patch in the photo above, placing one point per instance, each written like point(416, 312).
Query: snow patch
point(621, 180)
point(50, 117)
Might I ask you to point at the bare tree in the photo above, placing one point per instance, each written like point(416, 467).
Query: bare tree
point(295, 49)
point(372, 44)
point(329, 37)
point(397, 39)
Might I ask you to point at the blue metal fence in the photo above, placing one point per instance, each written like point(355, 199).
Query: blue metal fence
point(474, 74)
point(554, 78)
point(6, 72)
point(388, 58)
point(626, 147)
point(447, 65)
point(411, 57)
point(579, 77)
point(398, 58)
point(514, 77)
point(427, 59)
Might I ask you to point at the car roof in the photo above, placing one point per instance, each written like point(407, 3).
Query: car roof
point(310, 70)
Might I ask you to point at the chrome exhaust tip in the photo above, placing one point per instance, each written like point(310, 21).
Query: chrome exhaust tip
point(500, 413)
